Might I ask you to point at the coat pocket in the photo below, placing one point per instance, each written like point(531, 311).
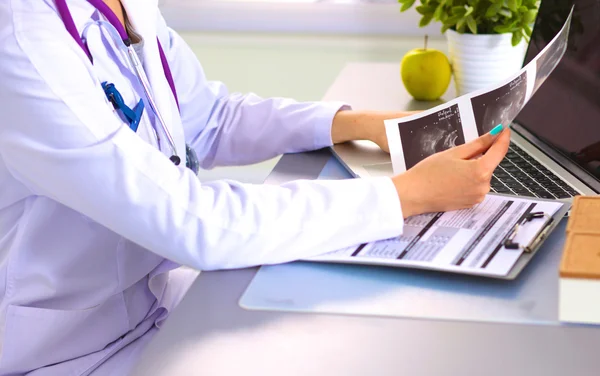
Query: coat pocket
point(37, 337)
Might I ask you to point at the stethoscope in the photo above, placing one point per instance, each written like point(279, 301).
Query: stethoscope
point(122, 40)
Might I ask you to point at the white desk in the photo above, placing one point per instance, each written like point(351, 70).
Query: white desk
point(377, 86)
point(209, 334)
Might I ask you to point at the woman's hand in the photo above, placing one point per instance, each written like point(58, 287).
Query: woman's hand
point(353, 125)
point(453, 179)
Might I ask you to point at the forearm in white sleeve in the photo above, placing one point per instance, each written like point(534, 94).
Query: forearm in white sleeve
point(234, 129)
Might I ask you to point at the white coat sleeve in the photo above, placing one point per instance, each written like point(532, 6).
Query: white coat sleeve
point(233, 129)
point(61, 139)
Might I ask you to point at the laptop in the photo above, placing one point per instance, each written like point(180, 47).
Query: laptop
point(555, 145)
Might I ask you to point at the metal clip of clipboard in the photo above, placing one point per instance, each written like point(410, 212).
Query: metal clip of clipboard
point(509, 242)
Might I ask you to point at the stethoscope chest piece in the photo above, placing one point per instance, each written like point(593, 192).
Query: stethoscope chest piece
point(192, 159)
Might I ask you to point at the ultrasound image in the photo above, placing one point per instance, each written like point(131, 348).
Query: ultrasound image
point(431, 134)
point(546, 62)
point(499, 106)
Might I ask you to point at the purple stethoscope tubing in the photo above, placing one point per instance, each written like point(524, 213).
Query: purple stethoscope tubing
point(67, 18)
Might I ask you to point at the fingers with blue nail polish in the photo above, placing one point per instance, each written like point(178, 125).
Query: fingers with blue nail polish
point(457, 178)
point(497, 129)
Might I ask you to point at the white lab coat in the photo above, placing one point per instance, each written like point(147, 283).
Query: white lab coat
point(95, 221)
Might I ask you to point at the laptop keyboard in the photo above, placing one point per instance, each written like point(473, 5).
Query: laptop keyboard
point(522, 175)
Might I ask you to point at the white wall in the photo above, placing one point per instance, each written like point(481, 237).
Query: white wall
point(357, 17)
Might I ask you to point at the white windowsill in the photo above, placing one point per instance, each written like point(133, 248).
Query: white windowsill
point(294, 17)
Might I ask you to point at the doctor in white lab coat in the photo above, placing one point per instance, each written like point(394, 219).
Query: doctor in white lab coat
point(95, 220)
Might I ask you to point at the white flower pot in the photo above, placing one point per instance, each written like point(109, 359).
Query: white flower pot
point(481, 60)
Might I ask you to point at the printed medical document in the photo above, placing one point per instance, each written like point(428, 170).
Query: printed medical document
point(463, 240)
point(414, 138)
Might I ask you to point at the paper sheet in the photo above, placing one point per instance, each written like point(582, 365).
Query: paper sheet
point(467, 240)
point(414, 138)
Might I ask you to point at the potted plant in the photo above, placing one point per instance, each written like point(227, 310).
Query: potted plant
point(487, 39)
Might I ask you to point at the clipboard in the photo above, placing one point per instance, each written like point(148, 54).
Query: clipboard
point(532, 248)
point(528, 250)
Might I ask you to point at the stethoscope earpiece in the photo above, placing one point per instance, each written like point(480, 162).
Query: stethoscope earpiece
point(175, 159)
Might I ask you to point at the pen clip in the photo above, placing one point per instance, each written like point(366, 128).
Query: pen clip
point(509, 242)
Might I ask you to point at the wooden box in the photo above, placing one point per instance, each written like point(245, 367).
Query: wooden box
point(579, 282)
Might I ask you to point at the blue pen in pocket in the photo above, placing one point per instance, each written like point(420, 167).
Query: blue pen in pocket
point(131, 116)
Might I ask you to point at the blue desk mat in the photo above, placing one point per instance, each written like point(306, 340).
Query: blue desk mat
point(333, 169)
point(395, 292)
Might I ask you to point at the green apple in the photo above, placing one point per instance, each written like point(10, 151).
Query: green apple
point(426, 73)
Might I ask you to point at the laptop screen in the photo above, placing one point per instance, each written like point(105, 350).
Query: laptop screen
point(565, 111)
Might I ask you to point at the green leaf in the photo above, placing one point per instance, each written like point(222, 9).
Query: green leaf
point(445, 28)
point(516, 38)
point(527, 30)
point(425, 20)
point(530, 16)
point(425, 9)
point(505, 12)
point(452, 20)
point(407, 4)
point(493, 10)
point(469, 11)
point(502, 29)
point(459, 11)
point(512, 5)
point(439, 12)
point(472, 24)
point(460, 25)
